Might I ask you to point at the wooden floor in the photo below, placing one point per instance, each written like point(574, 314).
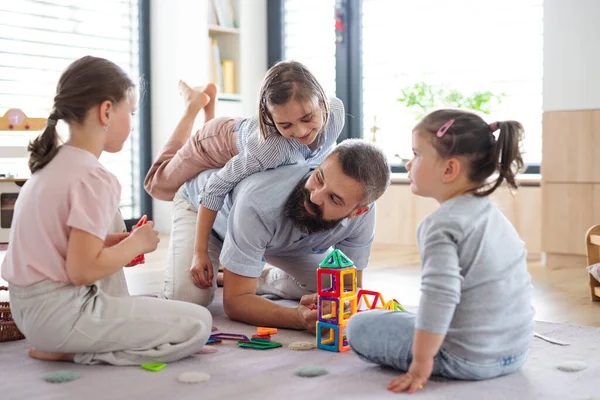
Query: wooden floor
point(558, 295)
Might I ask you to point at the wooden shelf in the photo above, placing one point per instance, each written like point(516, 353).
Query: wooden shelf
point(218, 29)
point(230, 97)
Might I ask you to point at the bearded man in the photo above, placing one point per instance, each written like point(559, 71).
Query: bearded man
point(289, 217)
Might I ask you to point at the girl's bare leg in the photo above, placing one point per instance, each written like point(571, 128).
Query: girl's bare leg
point(209, 109)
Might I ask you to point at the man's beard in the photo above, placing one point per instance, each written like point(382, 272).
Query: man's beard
point(294, 209)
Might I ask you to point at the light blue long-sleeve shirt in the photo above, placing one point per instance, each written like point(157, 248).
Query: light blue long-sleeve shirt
point(475, 287)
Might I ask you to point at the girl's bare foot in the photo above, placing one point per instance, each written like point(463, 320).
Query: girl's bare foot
point(195, 99)
point(220, 279)
point(47, 356)
point(209, 109)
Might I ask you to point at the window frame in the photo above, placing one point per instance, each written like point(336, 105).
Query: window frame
point(145, 111)
point(348, 59)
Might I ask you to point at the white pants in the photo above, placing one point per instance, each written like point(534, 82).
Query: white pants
point(286, 277)
point(101, 323)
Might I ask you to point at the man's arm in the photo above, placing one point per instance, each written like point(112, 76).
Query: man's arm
point(242, 304)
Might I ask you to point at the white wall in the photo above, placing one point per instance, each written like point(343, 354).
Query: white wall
point(571, 56)
point(179, 37)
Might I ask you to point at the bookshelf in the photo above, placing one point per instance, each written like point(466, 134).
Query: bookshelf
point(224, 48)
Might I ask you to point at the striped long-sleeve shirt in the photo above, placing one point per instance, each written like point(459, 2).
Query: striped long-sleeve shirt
point(256, 154)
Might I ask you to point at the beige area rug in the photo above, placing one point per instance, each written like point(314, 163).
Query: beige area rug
point(238, 373)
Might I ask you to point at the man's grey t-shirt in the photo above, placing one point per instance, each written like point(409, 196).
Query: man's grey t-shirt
point(252, 223)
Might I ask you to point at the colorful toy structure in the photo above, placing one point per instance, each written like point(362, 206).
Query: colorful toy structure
point(337, 300)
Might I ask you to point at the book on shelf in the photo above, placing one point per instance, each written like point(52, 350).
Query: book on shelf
point(216, 68)
point(228, 67)
point(223, 10)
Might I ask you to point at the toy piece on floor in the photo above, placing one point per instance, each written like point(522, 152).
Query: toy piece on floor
point(154, 367)
point(311, 371)
point(140, 258)
point(299, 346)
point(572, 366)
point(266, 331)
point(208, 350)
point(261, 337)
point(336, 302)
point(378, 302)
point(193, 377)
point(229, 336)
point(213, 341)
point(61, 376)
point(550, 340)
point(253, 344)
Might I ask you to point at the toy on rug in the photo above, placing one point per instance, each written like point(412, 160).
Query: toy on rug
point(140, 258)
point(311, 371)
point(572, 366)
point(392, 305)
point(154, 367)
point(299, 346)
point(61, 376)
point(227, 336)
point(338, 300)
point(208, 350)
point(253, 344)
point(260, 341)
point(193, 377)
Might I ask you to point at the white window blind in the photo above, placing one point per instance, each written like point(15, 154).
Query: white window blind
point(38, 40)
point(467, 45)
point(309, 37)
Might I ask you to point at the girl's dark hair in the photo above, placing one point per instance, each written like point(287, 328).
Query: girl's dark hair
point(285, 81)
point(473, 138)
point(87, 82)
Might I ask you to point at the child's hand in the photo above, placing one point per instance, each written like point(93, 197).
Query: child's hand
point(202, 270)
point(417, 375)
point(146, 237)
point(114, 238)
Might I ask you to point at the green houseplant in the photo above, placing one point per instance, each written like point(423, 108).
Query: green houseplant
point(421, 98)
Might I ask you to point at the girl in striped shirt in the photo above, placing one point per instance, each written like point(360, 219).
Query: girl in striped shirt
point(296, 123)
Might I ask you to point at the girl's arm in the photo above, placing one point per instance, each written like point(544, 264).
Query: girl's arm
point(202, 270)
point(114, 238)
point(88, 260)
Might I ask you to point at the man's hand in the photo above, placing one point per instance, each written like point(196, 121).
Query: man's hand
point(202, 270)
point(306, 313)
point(417, 375)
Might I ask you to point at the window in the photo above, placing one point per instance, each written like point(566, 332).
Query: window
point(309, 37)
point(496, 46)
point(38, 40)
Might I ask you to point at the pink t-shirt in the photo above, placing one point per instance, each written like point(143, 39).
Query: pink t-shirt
point(73, 191)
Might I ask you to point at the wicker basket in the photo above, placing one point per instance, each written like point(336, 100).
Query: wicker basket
point(8, 328)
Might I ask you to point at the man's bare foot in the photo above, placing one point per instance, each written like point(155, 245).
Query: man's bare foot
point(209, 109)
point(195, 99)
point(220, 279)
point(47, 356)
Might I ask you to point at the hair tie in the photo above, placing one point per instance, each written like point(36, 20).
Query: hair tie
point(444, 128)
point(50, 122)
point(494, 126)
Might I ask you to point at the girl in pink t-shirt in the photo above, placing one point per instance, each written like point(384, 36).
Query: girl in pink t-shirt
point(65, 259)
